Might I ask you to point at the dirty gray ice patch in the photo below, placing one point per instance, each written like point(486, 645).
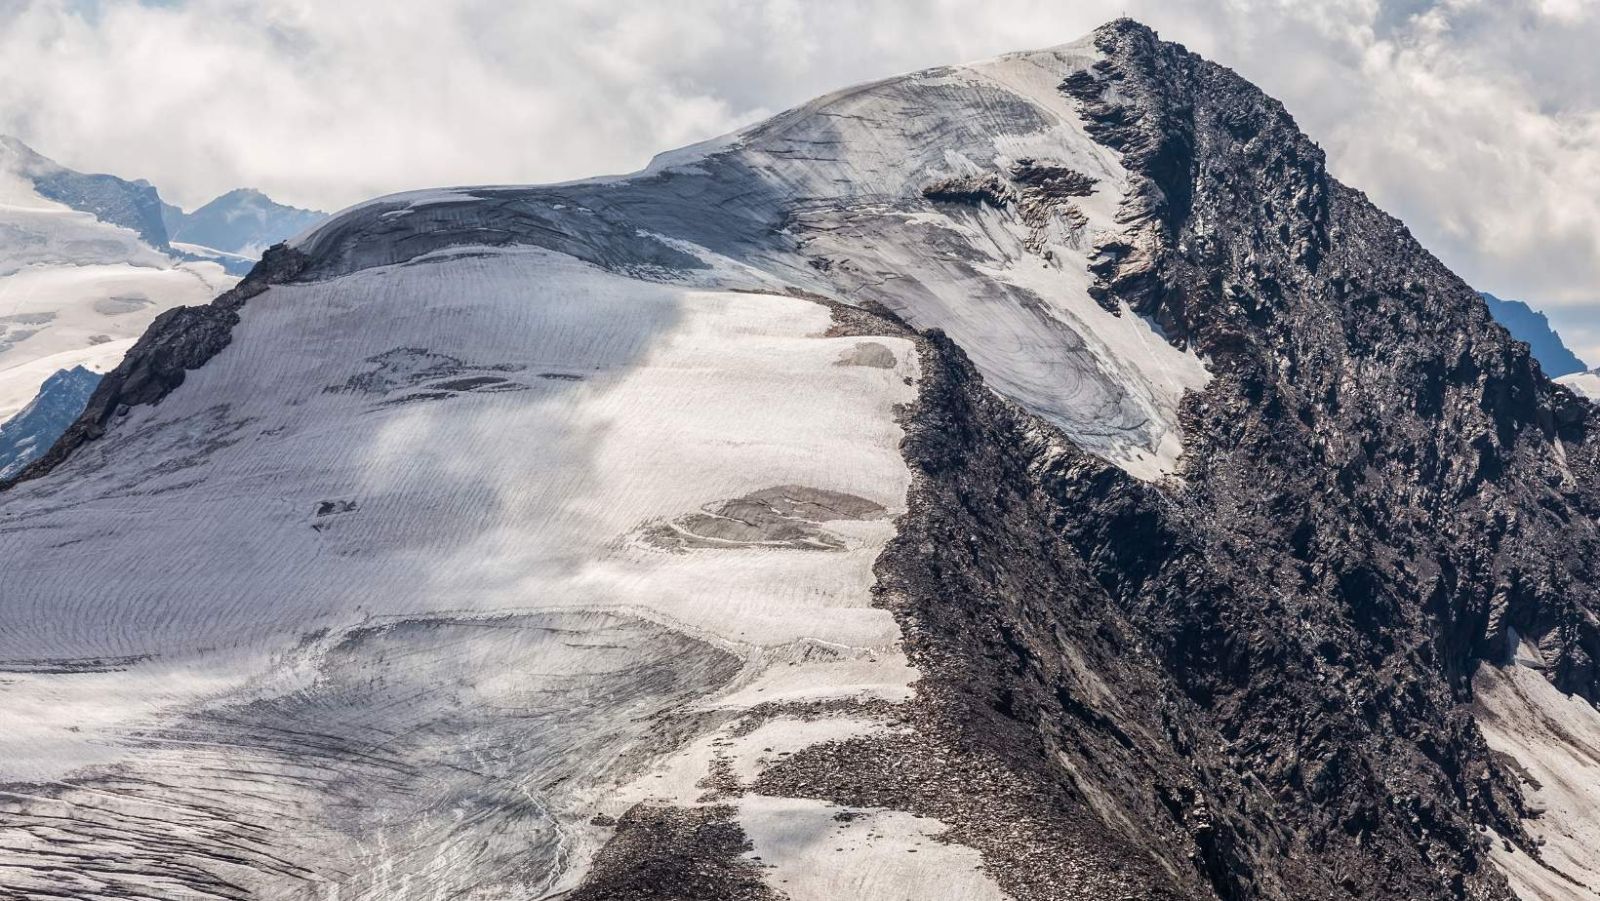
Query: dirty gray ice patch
point(837, 139)
point(438, 376)
point(720, 203)
point(19, 327)
point(373, 235)
point(26, 319)
point(788, 516)
point(121, 303)
point(66, 666)
point(439, 756)
point(868, 353)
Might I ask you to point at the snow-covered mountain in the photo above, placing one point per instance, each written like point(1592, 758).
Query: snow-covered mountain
point(131, 205)
point(241, 223)
point(1028, 479)
point(1527, 324)
point(85, 267)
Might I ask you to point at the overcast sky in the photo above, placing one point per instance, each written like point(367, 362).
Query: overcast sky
point(1476, 122)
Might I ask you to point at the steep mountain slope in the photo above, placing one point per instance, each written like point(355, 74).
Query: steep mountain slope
point(1032, 479)
point(84, 268)
point(243, 222)
point(1527, 324)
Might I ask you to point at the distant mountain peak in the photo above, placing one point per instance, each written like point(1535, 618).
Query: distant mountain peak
point(238, 223)
point(243, 221)
point(1533, 328)
point(31, 432)
point(133, 205)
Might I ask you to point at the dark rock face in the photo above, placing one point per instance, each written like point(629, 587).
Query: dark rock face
point(1349, 355)
point(179, 340)
point(1256, 684)
point(32, 431)
point(1531, 326)
point(1374, 496)
point(675, 854)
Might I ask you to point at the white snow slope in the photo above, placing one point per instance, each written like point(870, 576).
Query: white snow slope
point(1555, 741)
point(1585, 383)
point(498, 517)
point(75, 291)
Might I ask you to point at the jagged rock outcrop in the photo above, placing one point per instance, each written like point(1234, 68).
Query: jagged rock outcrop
point(1382, 488)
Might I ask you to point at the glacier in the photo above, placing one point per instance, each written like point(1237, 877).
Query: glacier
point(460, 436)
point(633, 537)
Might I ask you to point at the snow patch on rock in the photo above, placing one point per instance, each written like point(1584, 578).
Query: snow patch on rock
point(1555, 741)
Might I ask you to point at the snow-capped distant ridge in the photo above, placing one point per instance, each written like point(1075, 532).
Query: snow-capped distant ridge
point(1585, 383)
point(1533, 328)
point(242, 222)
point(133, 205)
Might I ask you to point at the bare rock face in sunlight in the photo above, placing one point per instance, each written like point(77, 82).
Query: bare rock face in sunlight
point(1030, 479)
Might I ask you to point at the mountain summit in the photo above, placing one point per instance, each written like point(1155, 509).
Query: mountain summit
point(243, 222)
point(1032, 479)
point(1527, 324)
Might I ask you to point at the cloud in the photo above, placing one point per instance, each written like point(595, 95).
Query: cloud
point(1476, 121)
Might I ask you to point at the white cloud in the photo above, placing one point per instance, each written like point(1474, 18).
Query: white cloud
point(1475, 121)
